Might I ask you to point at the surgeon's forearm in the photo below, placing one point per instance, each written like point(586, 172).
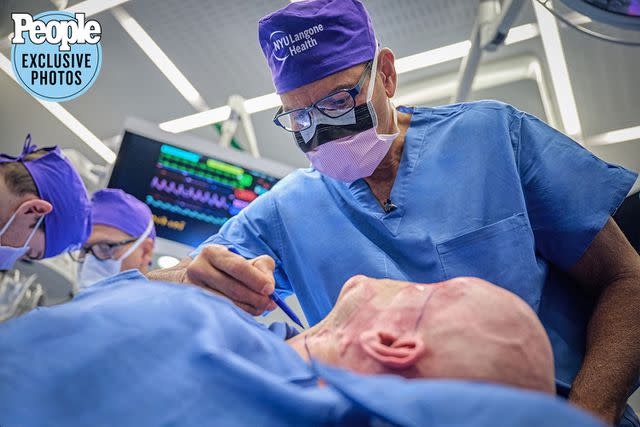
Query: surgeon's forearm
point(175, 274)
point(612, 362)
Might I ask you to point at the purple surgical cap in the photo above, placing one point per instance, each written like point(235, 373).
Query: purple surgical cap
point(68, 225)
point(115, 208)
point(309, 40)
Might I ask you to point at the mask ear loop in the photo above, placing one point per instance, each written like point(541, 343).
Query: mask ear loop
point(6, 226)
point(372, 83)
point(33, 232)
point(138, 242)
point(372, 77)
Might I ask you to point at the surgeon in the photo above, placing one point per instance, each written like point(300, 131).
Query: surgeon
point(130, 352)
point(428, 194)
point(45, 210)
point(122, 238)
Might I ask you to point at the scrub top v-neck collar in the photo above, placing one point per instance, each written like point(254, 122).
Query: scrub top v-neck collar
point(414, 140)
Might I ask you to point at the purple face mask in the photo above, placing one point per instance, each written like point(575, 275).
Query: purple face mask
point(356, 156)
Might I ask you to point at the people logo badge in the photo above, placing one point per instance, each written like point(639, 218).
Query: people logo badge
point(56, 55)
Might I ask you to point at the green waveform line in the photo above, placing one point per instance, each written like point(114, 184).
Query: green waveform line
point(224, 167)
point(245, 180)
point(243, 183)
point(209, 165)
point(163, 158)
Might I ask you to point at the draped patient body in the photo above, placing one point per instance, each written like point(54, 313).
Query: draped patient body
point(464, 328)
point(132, 352)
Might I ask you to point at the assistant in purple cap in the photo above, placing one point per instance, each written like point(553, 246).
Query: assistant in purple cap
point(122, 239)
point(45, 209)
point(428, 194)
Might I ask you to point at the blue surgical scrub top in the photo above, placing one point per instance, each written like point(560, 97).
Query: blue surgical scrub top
point(482, 190)
point(129, 352)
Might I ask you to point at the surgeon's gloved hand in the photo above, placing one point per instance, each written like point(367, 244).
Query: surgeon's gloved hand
point(247, 282)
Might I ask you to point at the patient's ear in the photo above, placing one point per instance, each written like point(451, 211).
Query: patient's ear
point(394, 353)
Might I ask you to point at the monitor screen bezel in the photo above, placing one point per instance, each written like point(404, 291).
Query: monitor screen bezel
point(202, 146)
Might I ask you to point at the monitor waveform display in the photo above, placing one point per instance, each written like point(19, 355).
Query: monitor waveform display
point(217, 220)
point(206, 197)
point(190, 194)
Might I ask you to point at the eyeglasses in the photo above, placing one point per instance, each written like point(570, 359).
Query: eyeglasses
point(334, 105)
point(101, 250)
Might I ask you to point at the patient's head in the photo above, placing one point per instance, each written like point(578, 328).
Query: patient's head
point(464, 328)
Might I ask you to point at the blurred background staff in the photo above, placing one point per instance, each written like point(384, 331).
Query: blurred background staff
point(122, 238)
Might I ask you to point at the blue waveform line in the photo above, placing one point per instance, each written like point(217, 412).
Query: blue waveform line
point(186, 212)
point(177, 152)
point(211, 198)
point(259, 190)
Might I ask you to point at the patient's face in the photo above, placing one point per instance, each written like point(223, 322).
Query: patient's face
point(463, 328)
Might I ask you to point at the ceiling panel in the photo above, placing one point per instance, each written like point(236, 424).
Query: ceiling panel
point(523, 95)
point(223, 56)
point(214, 43)
point(276, 143)
point(21, 114)
point(29, 6)
point(605, 82)
point(129, 84)
point(412, 26)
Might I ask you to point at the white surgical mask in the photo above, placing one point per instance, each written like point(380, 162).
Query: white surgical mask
point(10, 255)
point(93, 270)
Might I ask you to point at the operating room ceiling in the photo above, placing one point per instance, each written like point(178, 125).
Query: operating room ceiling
point(214, 44)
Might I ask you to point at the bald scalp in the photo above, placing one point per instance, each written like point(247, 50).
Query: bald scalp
point(487, 333)
point(464, 328)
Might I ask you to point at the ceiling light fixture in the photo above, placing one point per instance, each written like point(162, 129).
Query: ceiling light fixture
point(616, 136)
point(159, 58)
point(93, 7)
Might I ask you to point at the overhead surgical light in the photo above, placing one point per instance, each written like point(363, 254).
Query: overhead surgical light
point(616, 15)
point(432, 57)
point(625, 14)
point(262, 103)
point(616, 136)
point(197, 120)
